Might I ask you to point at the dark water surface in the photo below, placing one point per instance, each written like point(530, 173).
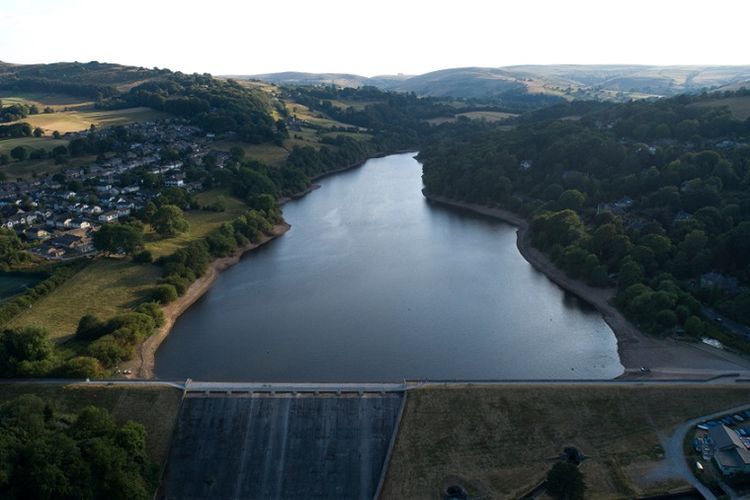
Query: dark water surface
point(374, 283)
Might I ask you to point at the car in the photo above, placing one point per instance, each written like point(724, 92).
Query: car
point(743, 432)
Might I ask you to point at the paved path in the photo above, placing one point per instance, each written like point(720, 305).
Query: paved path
point(675, 454)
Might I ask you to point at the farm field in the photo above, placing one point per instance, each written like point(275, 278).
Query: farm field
point(358, 105)
point(500, 442)
point(201, 222)
point(154, 407)
point(28, 168)
point(739, 106)
point(302, 112)
point(31, 143)
point(73, 121)
point(490, 116)
point(264, 153)
point(58, 102)
point(105, 287)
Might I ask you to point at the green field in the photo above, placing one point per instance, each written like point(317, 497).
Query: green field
point(154, 407)
point(81, 119)
point(31, 143)
point(490, 116)
point(201, 223)
point(58, 102)
point(28, 168)
point(264, 153)
point(739, 106)
point(358, 105)
point(499, 442)
point(105, 287)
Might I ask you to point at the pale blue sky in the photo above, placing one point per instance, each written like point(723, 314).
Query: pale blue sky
point(374, 36)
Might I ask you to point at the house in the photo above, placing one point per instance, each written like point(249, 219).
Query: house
point(37, 234)
point(175, 180)
point(79, 223)
point(108, 216)
point(730, 453)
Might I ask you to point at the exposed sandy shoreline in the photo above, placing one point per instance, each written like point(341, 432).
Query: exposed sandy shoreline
point(636, 349)
point(145, 360)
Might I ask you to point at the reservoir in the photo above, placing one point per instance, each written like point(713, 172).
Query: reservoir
point(375, 283)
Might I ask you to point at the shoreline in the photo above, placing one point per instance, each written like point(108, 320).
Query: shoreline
point(635, 349)
point(146, 358)
point(145, 362)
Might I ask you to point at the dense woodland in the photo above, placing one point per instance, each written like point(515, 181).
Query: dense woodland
point(51, 455)
point(647, 196)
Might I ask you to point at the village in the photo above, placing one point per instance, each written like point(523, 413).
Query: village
point(58, 214)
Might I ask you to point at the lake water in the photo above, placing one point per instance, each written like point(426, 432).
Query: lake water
point(373, 282)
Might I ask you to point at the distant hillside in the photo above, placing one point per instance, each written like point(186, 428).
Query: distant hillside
point(603, 82)
point(339, 79)
point(91, 73)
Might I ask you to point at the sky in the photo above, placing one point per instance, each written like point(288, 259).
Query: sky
point(372, 37)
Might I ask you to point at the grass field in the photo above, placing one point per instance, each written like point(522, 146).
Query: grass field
point(58, 102)
point(201, 222)
point(154, 407)
point(28, 168)
point(739, 106)
point(358, 105)
point(302, 112)
point(490, 116)
point(264, 153)
point(105, 287)
point(500, 442)
point(31, 143)
point(81, 119)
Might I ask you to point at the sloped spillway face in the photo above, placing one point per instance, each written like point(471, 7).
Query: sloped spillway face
point(260, 446)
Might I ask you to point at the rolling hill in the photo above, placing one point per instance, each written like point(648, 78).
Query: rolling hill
point(604, 82)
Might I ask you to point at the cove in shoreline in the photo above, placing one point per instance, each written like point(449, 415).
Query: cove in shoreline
point(635, 348)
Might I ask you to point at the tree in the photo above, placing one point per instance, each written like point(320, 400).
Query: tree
point(38, 132)
point(116, 238)
point(571, 199)
point(694, 326)
point(169, 221)
point(19, 153)
point(565, 481)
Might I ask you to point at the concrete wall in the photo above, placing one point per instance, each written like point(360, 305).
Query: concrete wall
point(270, 446)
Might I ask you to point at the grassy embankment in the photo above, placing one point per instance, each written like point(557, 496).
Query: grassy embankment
point(108, 286)
point(154, 407)
point(499, 442)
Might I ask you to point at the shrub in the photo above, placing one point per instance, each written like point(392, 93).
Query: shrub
point(179, 283)
point(164, 294)
point(143, 257)
point(108, 351)
point(81, 367)
point(153, 310)
point(90, 327)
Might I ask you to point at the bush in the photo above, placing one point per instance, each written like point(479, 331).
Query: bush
point(90, 327)
point(81, 367)
point(108, 351)
point(152, 309)
point(143, 257)
point(164, 294)
point(179, 283)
